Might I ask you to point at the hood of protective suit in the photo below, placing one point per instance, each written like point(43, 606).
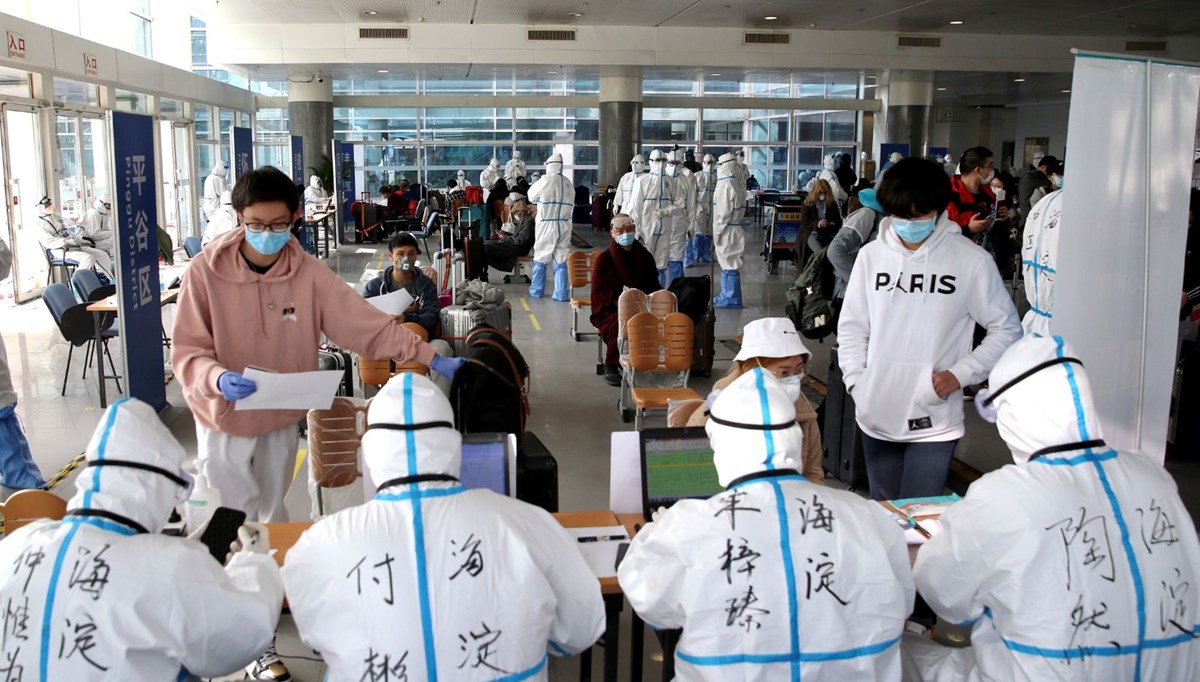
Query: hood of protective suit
point(672, 167)
point(657, 161)
point(130, 431)
point(227, 198)
point(101, 206)
point(314, 182)
point(494, 163)
point(1050, 407)
point(725, 164)
point(461, 175)
point(516, 156)
point(554, 165)
point(895, 156)
point(828, 163)
point(754, 399)
point(389, 453)
point(637, 164)
point(220, 169)
point(707, 162)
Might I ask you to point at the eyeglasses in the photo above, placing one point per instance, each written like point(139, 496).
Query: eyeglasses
point(274, 227)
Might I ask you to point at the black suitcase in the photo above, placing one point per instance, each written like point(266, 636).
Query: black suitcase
point(537, 474)
point(601, 211)
point(695, 300)
point(331, 358)
point(842, 457)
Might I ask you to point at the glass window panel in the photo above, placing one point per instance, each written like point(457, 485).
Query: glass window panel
point(808, 85)
point(199, 46)
point(810, 127)
point(206, 158)
point(375, 86)
point(534, 155)
point(389, 156)
point(131, 101)
point(807, 157)
point(725, 124)
point(140, 42)
point(720, 87)
point(170, 108)
point(464, 87)
point(842, 86)
point(585, 87)
point(271, 126)
point(669, 86)
point(14, 82)
point(780, 88)
point(768, 125)
point(540, 87)
point(587, 123)
point(669, 125)
point(74, 92)
point(204, 129)
point(276, 155)
point(361, 123)
point(841, 126)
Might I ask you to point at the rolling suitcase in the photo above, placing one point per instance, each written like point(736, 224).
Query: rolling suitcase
point(537, 474)
point(457, 322)
point(331, 358)
point(705, 344)
point(842, 457)
point(695, 300)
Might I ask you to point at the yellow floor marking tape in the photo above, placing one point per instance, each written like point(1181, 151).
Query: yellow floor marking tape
point(524, 304)
point(533, 319)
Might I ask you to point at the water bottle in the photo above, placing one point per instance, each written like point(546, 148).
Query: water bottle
point(199, 508)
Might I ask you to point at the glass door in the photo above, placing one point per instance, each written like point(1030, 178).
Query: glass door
point(24, 185)
point(181, 141)
point(83, 163)
point(169, 212)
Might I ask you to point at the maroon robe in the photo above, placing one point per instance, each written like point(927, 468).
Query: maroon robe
point(612, 271)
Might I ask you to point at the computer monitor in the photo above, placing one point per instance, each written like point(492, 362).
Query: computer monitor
point(487, 463)
point(677, 464)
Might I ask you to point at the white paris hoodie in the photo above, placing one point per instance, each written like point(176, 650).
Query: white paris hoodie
point(908, 314)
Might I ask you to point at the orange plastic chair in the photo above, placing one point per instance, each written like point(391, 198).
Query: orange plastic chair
point(414, 367)
point(377, 371)
point(333, 439)
point(663, 303)
point(652, 349)
point(26, 506)
point(579, 271)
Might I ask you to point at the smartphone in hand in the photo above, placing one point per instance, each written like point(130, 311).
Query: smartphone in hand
point(221, 531)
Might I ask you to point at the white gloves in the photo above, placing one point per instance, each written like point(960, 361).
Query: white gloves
point(662, 212)
point(252, 537)
point(657, 513)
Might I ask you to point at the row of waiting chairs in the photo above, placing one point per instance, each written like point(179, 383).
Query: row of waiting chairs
point(77, 324)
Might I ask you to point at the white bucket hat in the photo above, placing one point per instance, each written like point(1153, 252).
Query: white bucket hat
point(771, 337)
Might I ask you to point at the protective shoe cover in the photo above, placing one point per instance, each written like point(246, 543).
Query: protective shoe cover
point(689, 254)
point(537, 280)
point(662, 277)
point(675, 269)
point(18, 471)
point(731, 290)
point(562, 285)
point(1071, 562)
point(442, 582)
point(555, 199)
point(728, 211)
point(776, 578)
point(1039, 257)
point(103, 596)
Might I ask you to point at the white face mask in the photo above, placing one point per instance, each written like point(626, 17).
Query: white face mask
point(821, 198)
point(791, 386)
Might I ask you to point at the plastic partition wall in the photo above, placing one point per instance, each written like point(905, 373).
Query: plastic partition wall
point(1130, 137)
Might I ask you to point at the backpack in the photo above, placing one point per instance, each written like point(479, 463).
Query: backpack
point(490, 393)
point(810, 298)
point(693, 295)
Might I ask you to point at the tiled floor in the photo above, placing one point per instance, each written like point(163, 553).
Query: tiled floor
point(573, 410)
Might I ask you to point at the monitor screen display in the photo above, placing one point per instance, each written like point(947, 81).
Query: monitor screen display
point(484, 466)
point(677, 466)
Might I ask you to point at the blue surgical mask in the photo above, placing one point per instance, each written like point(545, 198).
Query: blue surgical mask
point(626, 238)
point(914, 231)
point(267, 243)
point(1057, 180)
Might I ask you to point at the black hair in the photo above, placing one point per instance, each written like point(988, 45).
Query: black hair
point(452, 183)
point(914, 187)
point(263, 185)
point(386, 189)
point(1194, 203)
point(402, 239)
point(974, 158)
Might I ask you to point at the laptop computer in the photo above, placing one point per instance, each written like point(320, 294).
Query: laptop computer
point(677, 464)
point(489, 461)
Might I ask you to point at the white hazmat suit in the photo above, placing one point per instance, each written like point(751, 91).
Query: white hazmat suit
point(554, 197)
point(729, 240)
point(56, 235)
point(223, 221)
point(214, 185)
point(1039, 257)
point(490, 175)
point(681, 224)
point(826, 173)
point(776, 578)
point(101, 595)
point(1076, 563)
point(313, 194)
point(653, 205)
point(621, 204)
point(514, 169)
point(699, 249)
point(97, 224)
point(430, 578)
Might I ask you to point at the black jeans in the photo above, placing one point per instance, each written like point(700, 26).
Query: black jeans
point(902, 470)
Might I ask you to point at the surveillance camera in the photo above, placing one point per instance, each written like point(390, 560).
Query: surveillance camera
point(320, 79)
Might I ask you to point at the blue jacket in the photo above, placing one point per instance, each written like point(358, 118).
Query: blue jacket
point(426, 294)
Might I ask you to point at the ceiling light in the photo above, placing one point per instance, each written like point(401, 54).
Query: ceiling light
point(714, 74)
point(384, 71)
point(770, 18)
point(369, 12)
point(575, 15)
point(1018, 80)
point(941, 89)
point(551, 72)
point(957, 22)
point(1066, 91)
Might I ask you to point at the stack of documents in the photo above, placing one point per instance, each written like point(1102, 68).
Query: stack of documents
point(601, 547)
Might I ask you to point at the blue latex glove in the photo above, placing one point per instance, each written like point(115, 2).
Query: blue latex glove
point(233, 386)
point(447, 367)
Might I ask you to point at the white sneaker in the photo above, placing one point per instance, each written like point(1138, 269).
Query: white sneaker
point(269, 667)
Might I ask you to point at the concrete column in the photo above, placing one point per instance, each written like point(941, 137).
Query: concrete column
point(310, 115)
point(909, 108)
point(620, 120)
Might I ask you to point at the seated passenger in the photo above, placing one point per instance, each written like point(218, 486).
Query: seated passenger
point(102, 595)
point(403, 273)
point(775, 578)
point(97, 224)
point(773, 344)
point(492, 585)
point(625, 263)
point(1076, 563)
point(515, 240)
point(56, 235)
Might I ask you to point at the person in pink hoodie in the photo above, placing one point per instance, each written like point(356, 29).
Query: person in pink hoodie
point(253, 297)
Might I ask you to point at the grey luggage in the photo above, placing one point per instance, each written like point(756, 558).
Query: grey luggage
point(457, 322)
point(331, 358)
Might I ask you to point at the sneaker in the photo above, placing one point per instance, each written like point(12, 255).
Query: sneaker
point(269, 667)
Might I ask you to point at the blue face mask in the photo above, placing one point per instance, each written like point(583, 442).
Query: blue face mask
point(268, 243)
point(1057, 180)
point(914, 231)
point(627, 238)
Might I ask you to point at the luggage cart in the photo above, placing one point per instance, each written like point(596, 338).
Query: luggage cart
point(780, 242)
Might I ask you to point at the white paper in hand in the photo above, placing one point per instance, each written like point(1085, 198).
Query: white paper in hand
point(294, 391)
point(394, 303)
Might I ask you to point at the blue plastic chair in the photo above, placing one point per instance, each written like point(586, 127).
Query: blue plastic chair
point(192, 246)
point(76, 325)
point(67, 265)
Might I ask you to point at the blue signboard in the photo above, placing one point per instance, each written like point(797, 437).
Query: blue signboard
point(298, 160)
point(243, 152)
point(938, 153)
point(343, 171)
point(137, 257)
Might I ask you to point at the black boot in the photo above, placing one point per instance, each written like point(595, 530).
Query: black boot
point(612, 375)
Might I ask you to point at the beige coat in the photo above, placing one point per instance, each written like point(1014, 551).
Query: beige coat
point(806, 416)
